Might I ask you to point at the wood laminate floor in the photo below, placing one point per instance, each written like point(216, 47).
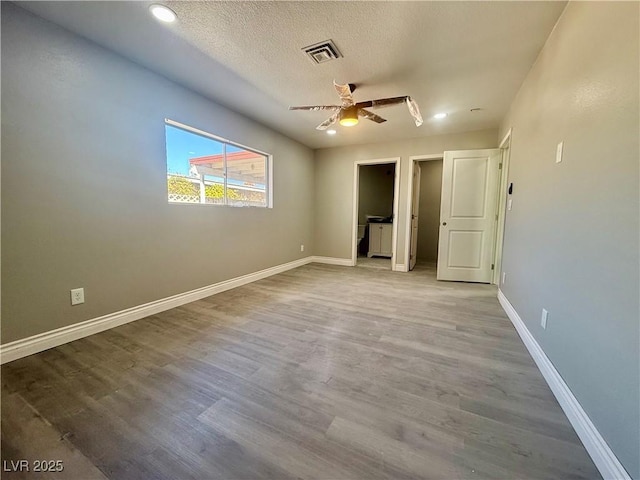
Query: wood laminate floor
point(379, 263)
point(322, 372)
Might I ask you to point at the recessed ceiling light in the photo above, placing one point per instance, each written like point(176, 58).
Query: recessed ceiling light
point(162, 13)
point(440, 116)
point(331, 132)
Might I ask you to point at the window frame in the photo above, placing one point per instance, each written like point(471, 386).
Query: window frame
point(268, 165)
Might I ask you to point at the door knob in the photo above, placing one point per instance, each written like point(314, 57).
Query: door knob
point(444, 223)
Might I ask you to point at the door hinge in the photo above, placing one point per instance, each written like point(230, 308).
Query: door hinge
point(499, 166)
point(493, 266)
point(496, 216)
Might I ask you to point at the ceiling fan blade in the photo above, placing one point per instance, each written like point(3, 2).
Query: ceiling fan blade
point(370, 116)
point(344, 91)
point(381, 102)
point(328, 122)
point(317, 107)
point(414, 111)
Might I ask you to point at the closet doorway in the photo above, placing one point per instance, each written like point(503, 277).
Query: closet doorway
point(375, 213)
point(424, 215)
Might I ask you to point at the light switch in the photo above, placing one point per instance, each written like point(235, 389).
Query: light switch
point(509, 202)
point(559, 152)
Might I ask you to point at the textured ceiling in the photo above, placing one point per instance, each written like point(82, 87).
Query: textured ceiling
point(449, 56)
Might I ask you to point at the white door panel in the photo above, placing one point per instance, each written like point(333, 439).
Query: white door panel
point(468, 215)
point(465, 249)
point(469, 185)
point(386, 234)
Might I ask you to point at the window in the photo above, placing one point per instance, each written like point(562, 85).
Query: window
point(205, 169)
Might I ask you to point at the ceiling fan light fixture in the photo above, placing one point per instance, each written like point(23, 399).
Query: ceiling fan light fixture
point(331, 132)
point(162, 13)
point(440, 116)
point(347, 114)
point(349, 117)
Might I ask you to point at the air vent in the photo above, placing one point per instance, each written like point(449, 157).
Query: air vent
point(322, 52)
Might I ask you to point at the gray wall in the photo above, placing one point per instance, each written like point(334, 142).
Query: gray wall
point(375, 195)
point(84, 200)
point(429, 210)
point(334, 184)
point(571, 242)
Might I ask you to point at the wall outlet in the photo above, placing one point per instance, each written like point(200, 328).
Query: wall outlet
point(504, 277)
point(301, 247)
point(77, 296)
point(543, 318)
point(559, 152)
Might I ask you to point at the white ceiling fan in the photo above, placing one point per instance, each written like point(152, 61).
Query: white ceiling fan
point(348, 113)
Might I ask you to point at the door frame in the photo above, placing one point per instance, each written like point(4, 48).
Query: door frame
point(416, 179)
point(412, 161)
point(354, 220)
point(505, 146)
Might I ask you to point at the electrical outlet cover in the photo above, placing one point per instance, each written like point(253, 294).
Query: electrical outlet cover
point(77, 296)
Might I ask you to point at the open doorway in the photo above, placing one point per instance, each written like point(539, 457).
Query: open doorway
point(426, 191)
point(375, 211)
point(429, 212)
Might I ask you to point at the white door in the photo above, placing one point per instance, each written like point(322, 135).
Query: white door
point(415, 204)
point(468, 215)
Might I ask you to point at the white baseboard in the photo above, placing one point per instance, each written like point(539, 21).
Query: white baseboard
point(344, 262)
point(598, 449)
point(43, 341)
point(347, 262)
